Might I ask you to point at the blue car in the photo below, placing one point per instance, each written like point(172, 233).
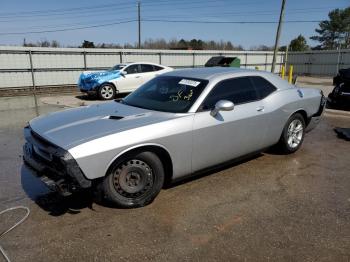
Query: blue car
point(121, 78)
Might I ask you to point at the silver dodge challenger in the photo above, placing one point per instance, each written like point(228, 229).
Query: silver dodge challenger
point(175, 125)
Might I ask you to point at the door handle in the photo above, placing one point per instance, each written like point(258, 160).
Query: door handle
point(260, 109)
point(137, 76)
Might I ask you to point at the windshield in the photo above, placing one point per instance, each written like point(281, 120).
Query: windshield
point(117, 67)
point(167, 93)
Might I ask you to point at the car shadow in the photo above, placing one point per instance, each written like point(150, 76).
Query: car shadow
point(52, 202)
point(213, 170)
point(57, 205)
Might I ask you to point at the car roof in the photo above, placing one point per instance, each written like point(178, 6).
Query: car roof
point(147, 63)
point(219, 73)
point(210, 72)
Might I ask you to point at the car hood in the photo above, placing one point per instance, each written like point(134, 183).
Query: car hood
point(72, 127)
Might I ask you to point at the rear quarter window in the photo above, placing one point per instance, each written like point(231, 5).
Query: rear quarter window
point(157, 68)
point(263, 87)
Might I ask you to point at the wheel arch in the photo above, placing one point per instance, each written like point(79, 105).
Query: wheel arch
point(160, 150)
point(304, 115)
point(110, 83)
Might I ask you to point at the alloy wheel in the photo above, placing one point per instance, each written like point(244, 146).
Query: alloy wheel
point(295, 133)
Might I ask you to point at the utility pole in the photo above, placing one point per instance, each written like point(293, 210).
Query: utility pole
point(278, 36)
point(139, 20)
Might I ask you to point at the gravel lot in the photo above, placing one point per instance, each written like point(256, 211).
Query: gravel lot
point(270, 208)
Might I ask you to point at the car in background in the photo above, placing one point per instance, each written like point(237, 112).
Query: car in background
point(177, 124)
point(121, 78)
point(339, 98)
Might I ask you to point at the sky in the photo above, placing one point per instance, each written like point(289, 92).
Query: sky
point(22, 17)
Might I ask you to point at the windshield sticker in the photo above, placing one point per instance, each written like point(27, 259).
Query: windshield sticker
point(188, 97)
point(189, 82)
point(179, 96)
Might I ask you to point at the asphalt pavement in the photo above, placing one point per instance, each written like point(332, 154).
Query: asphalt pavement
point(268, 208)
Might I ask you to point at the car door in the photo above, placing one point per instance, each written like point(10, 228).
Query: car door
point(147, 72)
point(229, 134)
point(272, 116)
point(131, 80)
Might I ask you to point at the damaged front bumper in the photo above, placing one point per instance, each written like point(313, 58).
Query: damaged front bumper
point(52, 164)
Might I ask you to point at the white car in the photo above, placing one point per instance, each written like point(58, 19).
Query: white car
point(121, 78)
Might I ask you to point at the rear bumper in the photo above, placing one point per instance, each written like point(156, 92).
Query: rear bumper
point(52, 164)
point(316, 118)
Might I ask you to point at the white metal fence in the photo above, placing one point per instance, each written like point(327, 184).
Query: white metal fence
point(23, 67)
point(319, 63)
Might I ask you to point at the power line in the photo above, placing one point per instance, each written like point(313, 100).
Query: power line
point(69, 13)
point(68, 29)
point(228, 22)
point(157, 20)
point(94, 7)
point(220, 15)
point(80, 9)
point(110, 12)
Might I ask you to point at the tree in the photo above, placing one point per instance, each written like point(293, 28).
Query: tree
point(44, 43)
point(298, 44)
point(335, 31)
point(262, 48)
point(55, 43)
point(87, 44)
point(182, 44)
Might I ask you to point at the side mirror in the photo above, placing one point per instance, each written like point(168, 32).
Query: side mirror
point(123, 73)
point(222, 105)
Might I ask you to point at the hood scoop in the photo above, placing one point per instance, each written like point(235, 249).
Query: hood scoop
point(115, 117)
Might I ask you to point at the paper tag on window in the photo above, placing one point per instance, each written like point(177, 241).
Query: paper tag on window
point(189, 82)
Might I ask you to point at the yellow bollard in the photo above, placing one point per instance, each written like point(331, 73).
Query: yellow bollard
point(290, 74)
point(283, 72)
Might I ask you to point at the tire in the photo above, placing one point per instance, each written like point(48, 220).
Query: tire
point(106, 92)
point(293, 134)
point(135, 181)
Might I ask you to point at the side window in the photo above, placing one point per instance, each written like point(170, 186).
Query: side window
point(146, 68)
point(132, 69)
point(157, 68)
point(263, 87)
point(237, 90)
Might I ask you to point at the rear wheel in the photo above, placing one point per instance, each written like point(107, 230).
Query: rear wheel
point(134, 182)
point(293, 134)
point(106, 92)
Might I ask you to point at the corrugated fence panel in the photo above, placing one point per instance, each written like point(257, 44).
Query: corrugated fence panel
point(61, 66)
point(44, 60)
point(101, 60)
point(178, 60)
point(57, 78)
point(141, 57)
point(319, 62)
point(15, 79)
point(14, 61)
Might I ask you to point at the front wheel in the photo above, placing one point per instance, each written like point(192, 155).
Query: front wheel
point(106, 92)
point(293, 134)
point(134, 182)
